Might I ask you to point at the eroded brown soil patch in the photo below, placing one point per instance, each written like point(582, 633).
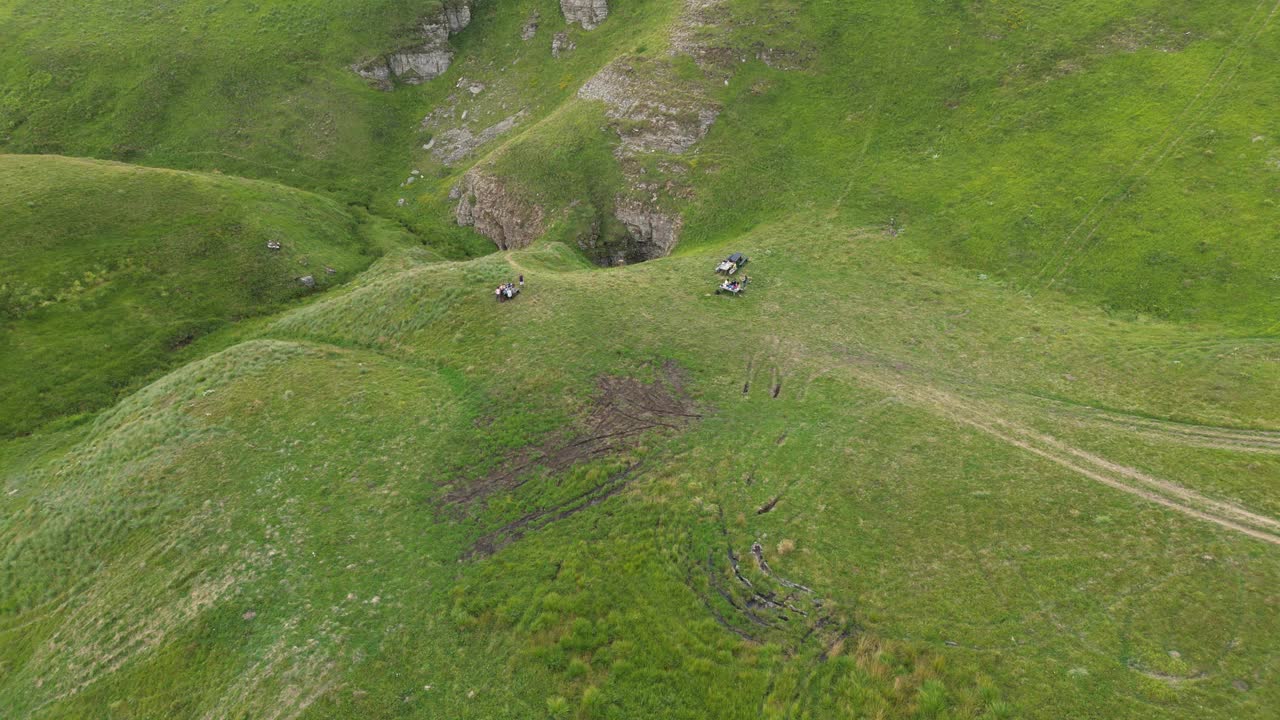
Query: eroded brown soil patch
point(623, 410)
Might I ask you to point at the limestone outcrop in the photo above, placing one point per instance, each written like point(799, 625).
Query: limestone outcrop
point(425, 60)
point(587, 13)
point(652, 233)
point(455, 145)
point(485, 203)
point(653, 110)
point(658, 110)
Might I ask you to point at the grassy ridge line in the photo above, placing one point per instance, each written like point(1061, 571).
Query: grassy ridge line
point(111, 271)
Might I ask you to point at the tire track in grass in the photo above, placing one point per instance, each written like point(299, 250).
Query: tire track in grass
point(1069, 250)
point(1205, 436)
point(1114, 475)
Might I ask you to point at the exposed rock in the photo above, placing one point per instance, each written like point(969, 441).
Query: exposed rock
point(561, 44)
point(376, 71)
point(654, 110)
point(486, 204)
point(457, 15)
point(530, 28)
point(588, 13)
point(701, 32)
point(653, 233)
point(308, 281)
point(454, 145)
point(426, 60)
point(429, 60)
point(660, 111)
point(698, 19)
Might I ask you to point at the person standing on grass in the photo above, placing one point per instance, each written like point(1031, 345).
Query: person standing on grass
point(521, 282)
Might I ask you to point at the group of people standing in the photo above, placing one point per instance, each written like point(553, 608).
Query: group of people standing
point(507, 291)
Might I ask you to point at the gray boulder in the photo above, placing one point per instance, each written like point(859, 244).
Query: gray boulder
point(531, 27)
point(561, 44)
point(587, 13)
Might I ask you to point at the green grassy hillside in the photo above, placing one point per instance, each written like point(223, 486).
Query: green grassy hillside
point(256, 88)
point(992, 433)
point(310, 517)
point(108, 272)
point(1124, 153)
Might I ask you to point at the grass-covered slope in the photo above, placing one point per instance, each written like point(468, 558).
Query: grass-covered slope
point(255, 88)
point(992, 433)
point(409, 499)
point(108, 271)
point(1126, 154)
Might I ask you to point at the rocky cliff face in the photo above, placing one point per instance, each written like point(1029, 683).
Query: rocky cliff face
point(660, 116)
point(485, 203)
point(425, 60)
point(651, 233)
point(587, 13)
point(653, 111)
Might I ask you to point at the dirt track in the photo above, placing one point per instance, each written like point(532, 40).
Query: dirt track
point(982, 417)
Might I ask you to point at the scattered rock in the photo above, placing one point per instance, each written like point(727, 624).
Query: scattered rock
point(401, 202)
point(415, 172)
point(476, 89)
point(273, 244)
point(698, 19)
point(458, 143)
point(486, 204)
point(308, 281)
point(1240, 685)
point(330, 270)
point(656, 110)
point(249, 615)
point(587, 13)
point(561, 44)
point(530, 28)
